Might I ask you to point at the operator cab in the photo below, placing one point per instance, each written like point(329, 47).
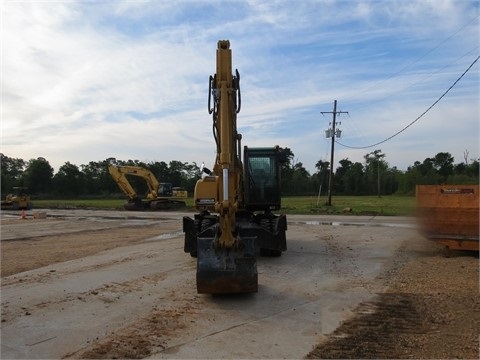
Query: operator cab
point(165, 189)
point(262, 178)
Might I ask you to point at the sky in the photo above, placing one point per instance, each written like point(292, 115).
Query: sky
point(85, 81)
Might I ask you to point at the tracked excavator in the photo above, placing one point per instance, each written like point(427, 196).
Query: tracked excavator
point(160, 196)
point(236, 199)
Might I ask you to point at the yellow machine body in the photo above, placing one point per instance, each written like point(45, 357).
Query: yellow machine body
point(17, 200)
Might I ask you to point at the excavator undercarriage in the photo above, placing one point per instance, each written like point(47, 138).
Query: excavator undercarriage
point(233, 270)
point(160, 204)
point(236, 200)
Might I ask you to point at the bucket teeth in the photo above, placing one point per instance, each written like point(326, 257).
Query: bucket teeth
point(226, 270)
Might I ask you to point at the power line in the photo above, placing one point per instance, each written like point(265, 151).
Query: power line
point(418, 82)
point(418, 118)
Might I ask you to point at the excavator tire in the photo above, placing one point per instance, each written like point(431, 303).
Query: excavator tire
point(268, 226)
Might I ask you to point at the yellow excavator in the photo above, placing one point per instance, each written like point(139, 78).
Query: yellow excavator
point(235, 200)
point(160, 196)
point(17, 200)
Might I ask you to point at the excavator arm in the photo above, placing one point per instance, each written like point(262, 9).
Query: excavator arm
point(122, 182)
point(119, 175)
point(228, 166)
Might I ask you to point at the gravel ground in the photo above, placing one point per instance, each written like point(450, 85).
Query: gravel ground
point(430, 310)
point(389, 293)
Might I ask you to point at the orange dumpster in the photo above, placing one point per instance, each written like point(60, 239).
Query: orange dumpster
point(448, 214)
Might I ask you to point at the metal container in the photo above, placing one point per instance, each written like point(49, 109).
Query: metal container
point(449, 215)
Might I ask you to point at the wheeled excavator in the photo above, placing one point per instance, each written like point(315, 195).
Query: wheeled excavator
point(160, 196)
point(236, 199)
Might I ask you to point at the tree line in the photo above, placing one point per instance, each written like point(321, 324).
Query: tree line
point(372, 177)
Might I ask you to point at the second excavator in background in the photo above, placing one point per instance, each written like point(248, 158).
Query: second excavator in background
point(160, 196)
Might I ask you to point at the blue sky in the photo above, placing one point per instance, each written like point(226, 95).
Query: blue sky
point(88, 80)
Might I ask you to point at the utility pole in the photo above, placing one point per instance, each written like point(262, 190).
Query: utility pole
point(331, 132)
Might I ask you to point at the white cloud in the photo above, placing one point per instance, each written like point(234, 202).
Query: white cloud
point(84, 81)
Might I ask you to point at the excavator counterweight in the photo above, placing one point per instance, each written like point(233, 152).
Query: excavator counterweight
point(235, 201)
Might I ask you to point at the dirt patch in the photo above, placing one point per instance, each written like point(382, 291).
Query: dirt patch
point(138, 340)
point(431, 310)
point(369, 335)
point(23, 255)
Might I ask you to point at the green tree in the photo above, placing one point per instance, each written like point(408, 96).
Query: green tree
point(443, 163)
point(38, 176)
point(406, 183)
point(375, 166)
point(69, 180)
point(11, 173)
point(287, 171)
point(193, 174)
point(473, 169)
point(322, 174)
point(391, 180)
point(160, 169)
point(301, 180)
point(177, 173)
point(97, 178)
point(429, 175)
point(464, 173)
point(354, 179)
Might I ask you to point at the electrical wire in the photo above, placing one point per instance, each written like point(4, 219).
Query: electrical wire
point(418, 118)
point(358, 131)
point(417, 82)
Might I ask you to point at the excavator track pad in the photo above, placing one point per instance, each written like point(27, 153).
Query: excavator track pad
point(226, 270)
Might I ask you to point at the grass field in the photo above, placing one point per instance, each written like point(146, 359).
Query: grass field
point(354, 205)
point(349, 205)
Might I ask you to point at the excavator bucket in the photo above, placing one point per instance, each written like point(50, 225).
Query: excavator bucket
point(226, 271)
